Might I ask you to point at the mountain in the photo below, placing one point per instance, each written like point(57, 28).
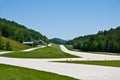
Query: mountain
point(104, 41)
point(58, 41)
point(18, 32)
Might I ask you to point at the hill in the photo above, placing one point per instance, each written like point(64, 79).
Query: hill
point(18, 32)
point(14, 44)
point(104, 41)
point(58, 41)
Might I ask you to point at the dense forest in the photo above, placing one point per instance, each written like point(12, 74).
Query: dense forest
point(15, 31)
point(104, 41)
point(57, 41)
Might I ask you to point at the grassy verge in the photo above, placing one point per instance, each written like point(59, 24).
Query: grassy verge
point(114, 63)
point(47, 52)
point(70, 47)
point(8, 72)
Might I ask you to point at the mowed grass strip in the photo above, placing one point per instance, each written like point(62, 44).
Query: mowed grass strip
point(8, 72)
point(70, 47)
point(47, 52)
point(112, 63)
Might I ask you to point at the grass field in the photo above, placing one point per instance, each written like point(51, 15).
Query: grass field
point(8, 72)
point(47, 52)
point(70, 47)
point(15, 45)
point(101, 63)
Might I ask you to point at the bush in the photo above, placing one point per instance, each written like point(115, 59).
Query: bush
point(8, 46)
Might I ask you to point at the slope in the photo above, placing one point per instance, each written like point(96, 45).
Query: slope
point(18, 32)
point(15, 45)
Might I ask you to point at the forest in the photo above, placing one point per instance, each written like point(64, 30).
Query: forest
point(103, 41)
point(18, 32)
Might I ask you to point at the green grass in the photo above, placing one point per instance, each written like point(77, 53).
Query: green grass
point(114, 63)
point(15, 45)
point(47, 52)
point(70, 47)
point(8, 72)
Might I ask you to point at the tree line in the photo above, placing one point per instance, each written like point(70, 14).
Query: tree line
point(18, 32)
point(103, 41)
point(57, 41)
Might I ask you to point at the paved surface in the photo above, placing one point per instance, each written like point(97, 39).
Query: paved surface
point(90, 56)
point(31, 49)
point(79, 71)
point(5, 52)
point(50, 44)
point(27, 50)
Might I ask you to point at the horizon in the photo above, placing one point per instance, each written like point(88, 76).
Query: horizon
point(63, 19)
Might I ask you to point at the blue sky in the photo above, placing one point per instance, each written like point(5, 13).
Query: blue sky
point(64, 19)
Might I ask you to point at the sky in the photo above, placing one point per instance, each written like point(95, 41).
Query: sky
point(64, 19)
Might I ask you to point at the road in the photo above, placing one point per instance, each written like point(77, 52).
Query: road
point(79, 71)
point(31, 49)
point(26, 50)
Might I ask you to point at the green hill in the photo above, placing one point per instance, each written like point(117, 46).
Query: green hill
point(13, 34)
point(14, 44)
point(18, 32)
point(104, 41)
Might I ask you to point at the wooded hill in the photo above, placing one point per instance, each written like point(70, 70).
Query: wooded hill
point(104, 41)
point(12, 30)
point(18, 32)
